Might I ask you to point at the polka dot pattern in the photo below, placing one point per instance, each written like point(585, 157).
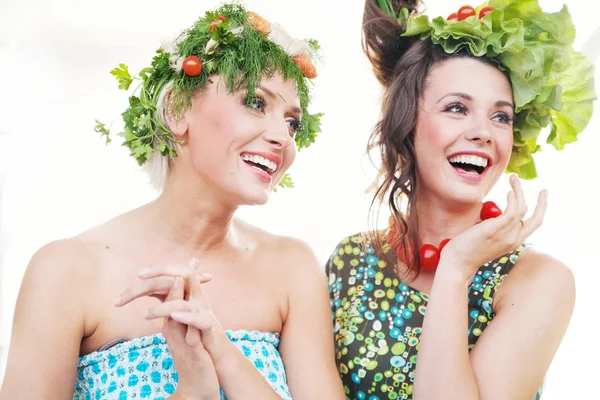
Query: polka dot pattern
point(378, 319)
point(143, 369)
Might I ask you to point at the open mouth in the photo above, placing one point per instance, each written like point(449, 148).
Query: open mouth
point(260, 163)
point(470, 164)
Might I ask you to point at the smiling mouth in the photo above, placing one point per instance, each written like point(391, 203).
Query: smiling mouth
point(469, 163)
point(261, 163)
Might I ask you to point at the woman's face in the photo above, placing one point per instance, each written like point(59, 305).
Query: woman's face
point(464, 136)
point(243, 150)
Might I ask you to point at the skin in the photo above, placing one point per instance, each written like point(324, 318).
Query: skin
point(259, 281)
point(533, 306)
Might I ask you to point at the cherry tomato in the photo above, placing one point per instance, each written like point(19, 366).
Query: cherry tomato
point(465, 12)
point(452, 17)
point(192, 66)
point(489, 209)
point(485, 11)
point(430, 257)
point(213, 26)
point(443, 243)
point(221, 18)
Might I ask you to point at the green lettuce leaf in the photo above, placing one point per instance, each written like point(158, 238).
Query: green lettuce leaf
point(552, 84)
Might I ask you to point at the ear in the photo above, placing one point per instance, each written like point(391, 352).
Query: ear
point(179, 126)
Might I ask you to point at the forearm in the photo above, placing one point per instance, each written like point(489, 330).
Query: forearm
point(240, 380)
point(444, 368)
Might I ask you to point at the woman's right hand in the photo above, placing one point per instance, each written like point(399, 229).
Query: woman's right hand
point(493, 237)
point(197, 375)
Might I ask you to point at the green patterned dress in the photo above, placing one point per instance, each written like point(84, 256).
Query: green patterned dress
point(378, 319)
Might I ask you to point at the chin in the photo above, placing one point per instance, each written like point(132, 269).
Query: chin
point(251, 194)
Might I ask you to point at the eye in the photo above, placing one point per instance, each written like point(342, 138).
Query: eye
point(294, 125)
point(456, 108)
point(255, 103)
point(503, 118)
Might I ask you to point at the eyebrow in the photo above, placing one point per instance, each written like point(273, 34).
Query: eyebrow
point(271, 94)
point(499, 103)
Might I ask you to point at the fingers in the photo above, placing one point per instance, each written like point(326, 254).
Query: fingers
point(196, 295)
point(200, 321)
point(157, 281)
point(172, 330)
point(533, 223)
point(164, 310)
point(176, 291)
point(521, 206)
point(186, 271)
point(157, 286)
point(515, 201)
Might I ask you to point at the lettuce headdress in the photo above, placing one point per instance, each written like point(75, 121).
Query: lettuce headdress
point(552, 83)
point(241, 47)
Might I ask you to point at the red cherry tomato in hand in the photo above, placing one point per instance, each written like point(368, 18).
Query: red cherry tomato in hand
point(443, 243)
point(430, 257)
point(485, 11)
point(452, 17)
point(465, 12)
point(192, 66)
point(489, 209)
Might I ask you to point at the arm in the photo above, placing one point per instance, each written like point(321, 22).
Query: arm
point(47, 329)
point(512, 356)
point(532, 315)
point(307, 338)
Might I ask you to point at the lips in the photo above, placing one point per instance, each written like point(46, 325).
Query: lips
point(263, 165)
point(470, 162)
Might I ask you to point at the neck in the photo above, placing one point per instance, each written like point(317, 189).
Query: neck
point(191, 216)
point(439, 220)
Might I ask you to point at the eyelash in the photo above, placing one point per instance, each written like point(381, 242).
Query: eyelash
point(507, 118)
point(294, 124)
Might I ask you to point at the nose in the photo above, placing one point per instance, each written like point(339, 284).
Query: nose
point(277, 133)
point(480, 131)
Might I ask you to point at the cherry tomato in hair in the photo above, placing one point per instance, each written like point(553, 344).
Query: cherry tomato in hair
point(485, 11)
point(192, 66)
point(465, 12)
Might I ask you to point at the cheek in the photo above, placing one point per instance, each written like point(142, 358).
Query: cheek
point(505, 145)
point(289, 156)
point(430, 141)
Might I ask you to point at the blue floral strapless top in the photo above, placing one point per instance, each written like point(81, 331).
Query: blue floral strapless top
point(142, 368)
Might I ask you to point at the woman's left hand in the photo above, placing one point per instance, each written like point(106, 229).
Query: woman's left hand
point(194, 310)
point(493, 237)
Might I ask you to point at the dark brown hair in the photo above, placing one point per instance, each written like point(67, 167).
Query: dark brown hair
point(402, 65)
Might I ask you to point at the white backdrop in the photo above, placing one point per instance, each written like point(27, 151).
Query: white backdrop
point(60, 178)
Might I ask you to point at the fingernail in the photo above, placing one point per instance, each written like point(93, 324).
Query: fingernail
point(194, 262)
point(176, 282)
point(545, 192)
point(207, 275)
point(146, 314)
point(144, 272)
point(118, 300)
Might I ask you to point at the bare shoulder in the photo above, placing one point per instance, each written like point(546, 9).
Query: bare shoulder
point(537, 274)
point(71, 264)
point(65, 258)
point(298, 254)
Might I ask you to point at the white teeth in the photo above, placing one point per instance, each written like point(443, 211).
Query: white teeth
point(469, 159)
point(260, 160)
